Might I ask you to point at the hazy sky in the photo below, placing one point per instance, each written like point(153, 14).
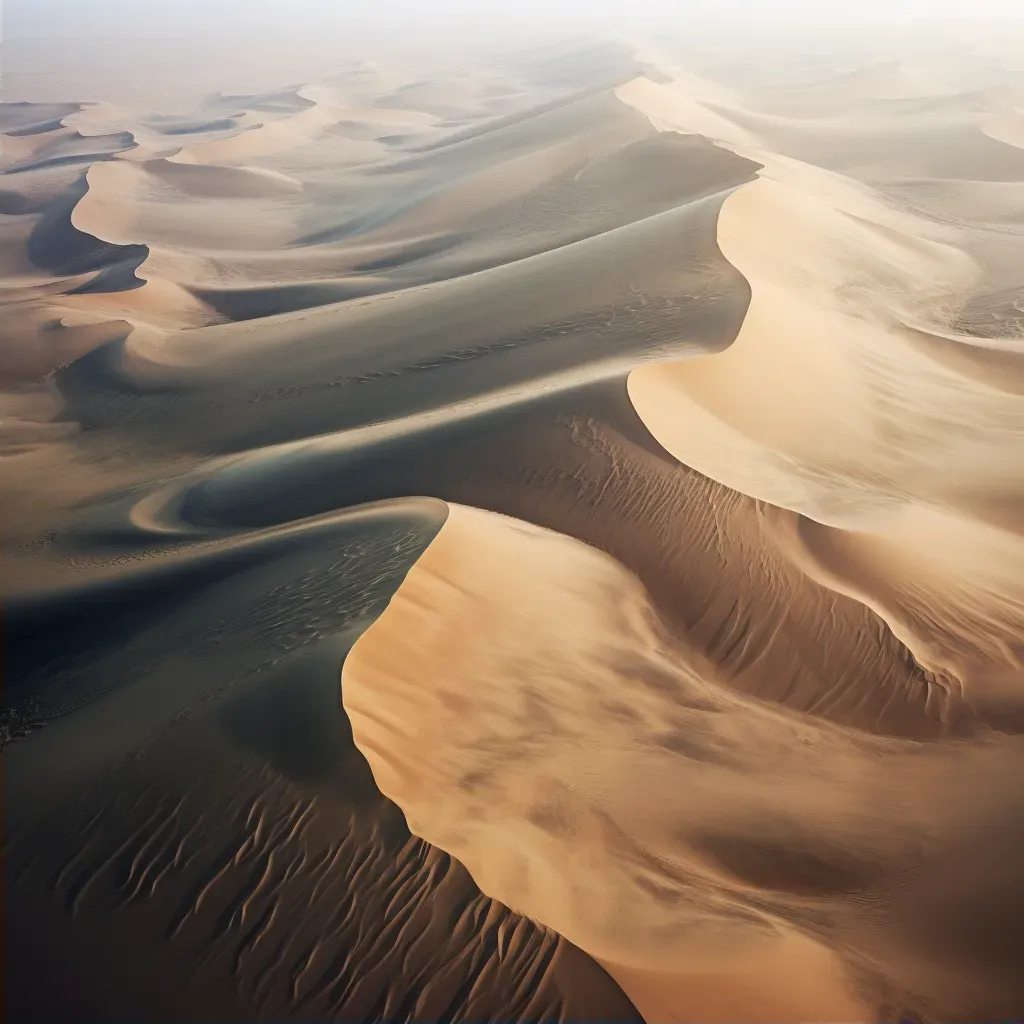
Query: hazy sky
point(149, 17)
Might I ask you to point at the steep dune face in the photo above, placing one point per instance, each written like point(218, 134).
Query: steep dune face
point(724, 859)
point(201, 838)
point(829, 404)
point(1008, 127)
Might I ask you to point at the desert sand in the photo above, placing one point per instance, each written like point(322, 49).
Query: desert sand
point(635, 429)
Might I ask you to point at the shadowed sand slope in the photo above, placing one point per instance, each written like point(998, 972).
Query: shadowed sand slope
point(202, 840)
point(652, 440)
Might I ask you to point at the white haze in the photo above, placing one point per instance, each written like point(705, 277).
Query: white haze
point(171, 53)
point(140, 18)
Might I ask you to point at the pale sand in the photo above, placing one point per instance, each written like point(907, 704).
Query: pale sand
point(723, 858)
point(904, 471)
point(522, 762)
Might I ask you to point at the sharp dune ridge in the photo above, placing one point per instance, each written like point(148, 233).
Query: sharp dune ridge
point(642, 445)
point(896, 489)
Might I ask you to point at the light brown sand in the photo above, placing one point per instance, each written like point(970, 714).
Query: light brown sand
point(904, 471)
point(725, 859)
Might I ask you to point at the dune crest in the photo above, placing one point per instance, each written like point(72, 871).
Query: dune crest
point(829, 405)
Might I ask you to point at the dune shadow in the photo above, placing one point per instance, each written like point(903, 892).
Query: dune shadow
point(293, 719)
point(56, 245)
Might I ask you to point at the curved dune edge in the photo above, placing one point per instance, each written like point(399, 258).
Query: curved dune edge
point(897, 446)
point(724, 859)
point(123, 295)
point(452, 718)
point(155, 306)
point(1007, 127)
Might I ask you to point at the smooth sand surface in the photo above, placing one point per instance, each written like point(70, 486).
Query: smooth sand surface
point(647, 421)
point(724, 858)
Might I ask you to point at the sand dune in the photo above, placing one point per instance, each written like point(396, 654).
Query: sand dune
point(608, 783)
point(893, 453)
point(648, 430)
point(286, 817)
point(959, 135)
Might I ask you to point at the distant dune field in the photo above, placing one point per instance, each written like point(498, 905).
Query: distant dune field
point(639, 436)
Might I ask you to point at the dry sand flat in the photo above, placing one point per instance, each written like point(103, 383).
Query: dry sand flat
point(703, 651)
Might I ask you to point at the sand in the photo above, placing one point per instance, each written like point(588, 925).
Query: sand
point(636, 429)
point(722, 856)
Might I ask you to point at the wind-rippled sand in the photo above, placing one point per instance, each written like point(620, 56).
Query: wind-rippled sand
point(643, 447)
